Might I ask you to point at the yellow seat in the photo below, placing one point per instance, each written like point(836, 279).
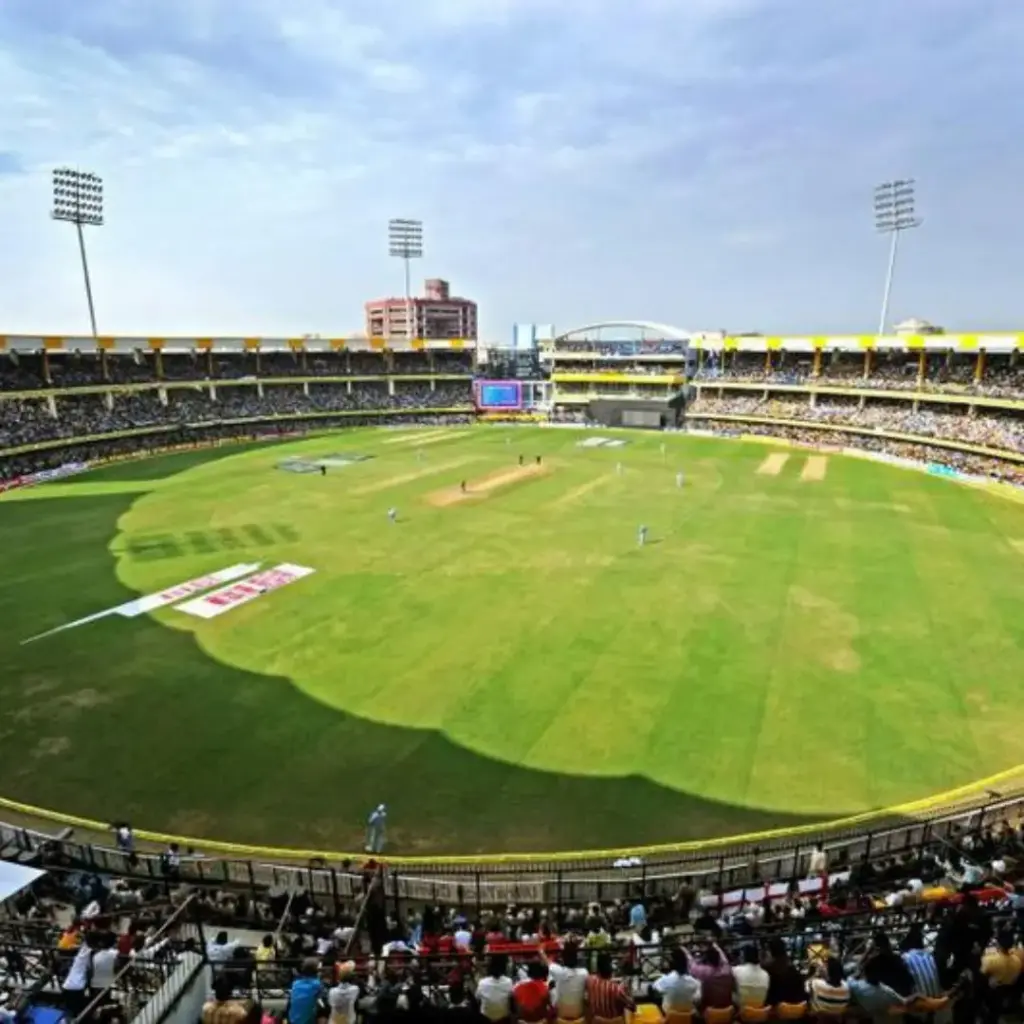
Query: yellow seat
point(679, 1017)
point(755, 1014)
point(929, 1004)
point(647, 1013)
point(718, 1015)
point(791, 1011)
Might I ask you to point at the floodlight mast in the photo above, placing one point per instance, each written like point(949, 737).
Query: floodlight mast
point(78, 200)
point(405, 242)
point(894, 213)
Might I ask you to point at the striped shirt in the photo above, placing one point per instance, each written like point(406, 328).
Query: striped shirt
point(607, 998)
point(828, 998)
point(924, 971)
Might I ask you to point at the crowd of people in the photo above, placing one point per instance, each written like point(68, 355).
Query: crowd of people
point(1001, 377)
point(991, 429)
point(931, 928)
point(30, 421)
point(36, 371)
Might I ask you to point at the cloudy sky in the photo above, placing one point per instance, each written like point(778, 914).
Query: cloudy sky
point(707, 163)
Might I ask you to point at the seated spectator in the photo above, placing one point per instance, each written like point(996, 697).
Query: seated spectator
point(533, 996)
point(569, 981)
point(494, 990)
point(921, 963)
point(751, 979)
point(871, 995)
point(678, 990)
point(785, 982)
point(605, 996)
point(715, 976)
point(828, 991)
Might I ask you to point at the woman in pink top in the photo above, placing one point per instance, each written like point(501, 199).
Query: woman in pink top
point(715, 976)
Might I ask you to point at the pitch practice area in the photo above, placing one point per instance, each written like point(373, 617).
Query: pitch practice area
point(803, 636)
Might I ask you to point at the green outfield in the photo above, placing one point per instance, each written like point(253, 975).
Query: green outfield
point(802, 637)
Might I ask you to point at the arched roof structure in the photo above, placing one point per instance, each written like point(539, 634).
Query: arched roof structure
point(646, 325)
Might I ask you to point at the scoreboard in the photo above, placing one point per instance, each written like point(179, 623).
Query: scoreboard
point(498, 395)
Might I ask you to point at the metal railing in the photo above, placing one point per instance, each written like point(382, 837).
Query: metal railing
point(550, 883)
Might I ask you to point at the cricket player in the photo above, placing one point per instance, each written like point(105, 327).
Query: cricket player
point(679, 479)
point(393, 514)
point(641, 536)
point(618, 468)
point(375, 828)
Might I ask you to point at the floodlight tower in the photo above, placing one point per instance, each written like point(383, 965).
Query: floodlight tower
point(405, 242)
point(894, 213)
point(78, 200)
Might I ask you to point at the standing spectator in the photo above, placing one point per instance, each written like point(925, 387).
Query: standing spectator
point(679, 989)
point(76, 984)
point(494, 991)
point(921, 964)
point(829, 994)
point(817, 866)
point(605, 996)
point(219, 951)
point(342, 998)
point(751, 979)
point(1001, 968)
point(222, 1008)
point(305, 998)
point(104, 964)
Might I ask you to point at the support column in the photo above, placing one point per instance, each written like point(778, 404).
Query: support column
point(867, 363)
point(767, 360)
point(391, 385)
point(305, 388)
point(213, 392)
point(108, 401)
point(816, 369)
point(159, 365)
point(259, 385)
point(161, 394)
point(51, 405)
point(922, 365)
point(209, 362)
point(46, 367)
point(304, 361)
point(979, 366)
point(104, 368)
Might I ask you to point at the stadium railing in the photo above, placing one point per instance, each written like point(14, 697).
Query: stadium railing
point(553, 880)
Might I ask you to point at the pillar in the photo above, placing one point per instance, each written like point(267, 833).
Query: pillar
point(209, 362)
point(303, 360)
point(46, 367)
point(104, 368)
point(305, 387)
point(159, 365)
point(259, 384)
point(922, 365)
point(767, 360)
point(816, 369)
point(108, 401)
point(979, 366)
point(391, 385)
point(51, 405)
point(867, 363)
point(161, 394)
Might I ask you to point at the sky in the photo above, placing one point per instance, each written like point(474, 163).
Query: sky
point(703, 163)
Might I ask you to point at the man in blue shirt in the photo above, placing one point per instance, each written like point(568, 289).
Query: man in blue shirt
point(304, 1006)
point(874, 998)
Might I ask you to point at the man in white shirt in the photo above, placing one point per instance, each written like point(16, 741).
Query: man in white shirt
point(344, 996)
point(569, 983)
point(679, 990)
point(104, 964)
point(76, 984)
point(751, 979)
point(463, 936)
point(818, 864)
point(494, 992)
point(220, 950)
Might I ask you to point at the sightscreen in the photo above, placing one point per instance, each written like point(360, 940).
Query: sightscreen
point(498, 394)
point(640, 418)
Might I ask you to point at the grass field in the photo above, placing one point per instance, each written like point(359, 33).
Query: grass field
point(801, 638)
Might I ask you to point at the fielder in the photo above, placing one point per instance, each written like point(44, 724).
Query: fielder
point(618, 468)
point(641, 536)
point(679, 479)
point(376, 826)
point(392, 515)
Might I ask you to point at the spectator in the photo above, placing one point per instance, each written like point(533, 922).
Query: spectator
point(569, 982)
point(751, 979)
point(532, 995)
point(715, 977)
point(921, 963)
point(605, 996)
point(871, 995)
point(679, 990)
point(305, 999)
point(786, 983)
point(828, 991)
point(223, 1008)
point(494, 991)
point(220, 950)
point(342, 998)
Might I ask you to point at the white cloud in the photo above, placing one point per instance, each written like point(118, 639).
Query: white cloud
point(701, 162)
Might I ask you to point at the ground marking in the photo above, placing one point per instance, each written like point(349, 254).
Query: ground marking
point(482, 487)
point(415, 435)
point(408, 478)
point(422, 442)
point(576, 493)
point(814, 469)
point(772, 465)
